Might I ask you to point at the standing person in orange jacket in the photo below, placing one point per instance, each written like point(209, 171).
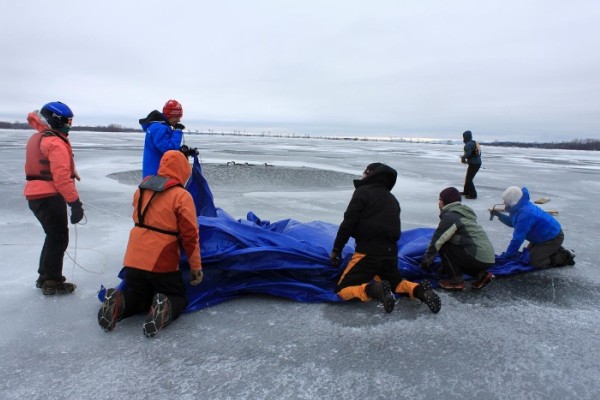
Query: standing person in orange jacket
point(165, 217)
point(49, 187)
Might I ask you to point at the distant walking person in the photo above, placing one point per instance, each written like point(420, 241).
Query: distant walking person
point(539, 228)
point(472, 157)
point(462, 244)
point(373, 219)
point(165, 220)
point(49, 187)
point(163, 133)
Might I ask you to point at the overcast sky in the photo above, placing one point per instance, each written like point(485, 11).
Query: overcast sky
point(526, 70)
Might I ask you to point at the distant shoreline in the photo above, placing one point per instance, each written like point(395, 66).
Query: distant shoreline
point(575, 144)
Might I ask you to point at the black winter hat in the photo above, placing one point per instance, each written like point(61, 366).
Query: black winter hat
point(450, 195)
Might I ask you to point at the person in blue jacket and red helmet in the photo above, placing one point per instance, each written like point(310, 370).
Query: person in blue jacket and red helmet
point(50, 186)
point(164, 131)
point(539, 228)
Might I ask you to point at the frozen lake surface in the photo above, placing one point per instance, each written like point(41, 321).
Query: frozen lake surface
point(530, 336)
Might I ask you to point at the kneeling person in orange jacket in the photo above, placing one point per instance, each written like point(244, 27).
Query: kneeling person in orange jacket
point(165, 216)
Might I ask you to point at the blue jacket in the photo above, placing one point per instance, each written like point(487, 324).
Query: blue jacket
point(471, 155)
point(530, 223)
point(160, 137)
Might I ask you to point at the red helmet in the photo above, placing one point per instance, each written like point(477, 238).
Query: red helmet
point(173, 109)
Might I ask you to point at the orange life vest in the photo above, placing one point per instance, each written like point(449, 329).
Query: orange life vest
point(37, 166)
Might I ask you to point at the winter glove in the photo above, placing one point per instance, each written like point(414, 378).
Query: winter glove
point(76, 211)
point(189, 152)
point(335, 258)
point(463, 159)
point(179, 126)
point(426, 263)
point(196, 276)
point(494, 213)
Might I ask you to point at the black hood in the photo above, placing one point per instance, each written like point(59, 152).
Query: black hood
point(383, 174)
point(467, 136)
point(154, 116)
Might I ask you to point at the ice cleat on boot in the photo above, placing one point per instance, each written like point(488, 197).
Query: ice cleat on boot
point(383, 293)
point(483, 280)
point(112, 309)
point(51, 287)
point(159, 315)
point(425, 293)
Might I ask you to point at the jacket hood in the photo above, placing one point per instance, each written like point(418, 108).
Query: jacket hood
point(383, 174)
point(154, 116)
point(515, 195)
point(522, 201)
point(175, 165)
point(467, 136)
point(37, 122)
point(460, 208)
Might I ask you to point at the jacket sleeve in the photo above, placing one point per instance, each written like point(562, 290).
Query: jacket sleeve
point(348, 225)
point(60, 157)
point(522, 226)
point(165, 138)
point(187, 223)
point(505, 219)
point(446, 228)
point(469, 149)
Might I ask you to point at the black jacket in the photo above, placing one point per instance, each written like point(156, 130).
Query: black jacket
point(373, 215)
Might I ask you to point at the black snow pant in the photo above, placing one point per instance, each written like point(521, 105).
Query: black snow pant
point(363, 268)
point(548, 253)
point(469, 189)
point(141, 286)
point(52, 214)
point(456, 262)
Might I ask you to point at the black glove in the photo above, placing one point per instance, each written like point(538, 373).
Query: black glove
point(335, 258)
point(426, 263)
point(179, 126)
point(76, 211)
point(494, 213)
point(189, 152)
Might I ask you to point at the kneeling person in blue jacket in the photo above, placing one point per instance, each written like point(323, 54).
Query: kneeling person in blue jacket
point(533, 224)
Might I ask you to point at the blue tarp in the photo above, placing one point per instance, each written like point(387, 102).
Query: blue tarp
point(286, 258)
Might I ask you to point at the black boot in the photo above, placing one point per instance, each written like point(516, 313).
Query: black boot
point(382, 292)
point(425, 293)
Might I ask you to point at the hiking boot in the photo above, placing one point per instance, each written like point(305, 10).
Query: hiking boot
point(159, 315)
point(486, 278)
point(39, 283)
point(51, 287)
point(112, 309)
point(471, 196)
point(425, 293)
point(448, 284)
point(570, 257)
point(562, 258)
point(383, 293)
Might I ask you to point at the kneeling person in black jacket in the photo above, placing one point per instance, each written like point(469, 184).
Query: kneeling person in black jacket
point(373, 220)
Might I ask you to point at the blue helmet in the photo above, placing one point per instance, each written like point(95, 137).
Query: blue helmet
point(57, 114)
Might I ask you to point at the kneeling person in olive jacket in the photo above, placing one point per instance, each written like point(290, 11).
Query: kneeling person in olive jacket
point(462, 244)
